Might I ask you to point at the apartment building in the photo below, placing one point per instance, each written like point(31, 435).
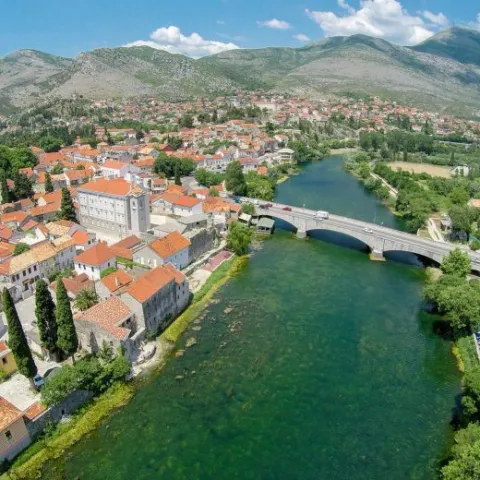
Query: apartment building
point(114, 205)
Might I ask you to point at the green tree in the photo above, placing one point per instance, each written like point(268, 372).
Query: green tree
point(178, 180)
point(186, 121)
point(57, 169)
point(50, 144)
point(67, 335)
point(238, 238)
point(67, 209)
point(462, 218)
point(7, 196)
point(459, 196)
point(48, 183)
point(20, 248)
point(85, 299)
point(45, 314)
point(248, 208)
point(23, 186)
point(235, 179)
point(456, 263)
point(475, 245)
point(17, 341)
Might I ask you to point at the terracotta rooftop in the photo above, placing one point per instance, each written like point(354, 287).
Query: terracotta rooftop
point(8, 414)
point(38, 253)
point(108, 315)
point(169, 245)
point(117, 280)
point(117, 186)
point(74, 285)
point(128, 242)
point(114, 164)
point(80, 237)
point(34, 410)
point(96, 255)
point(153, 281)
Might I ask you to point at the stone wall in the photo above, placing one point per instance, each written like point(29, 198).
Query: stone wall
point(201, 242)
point(55, 413)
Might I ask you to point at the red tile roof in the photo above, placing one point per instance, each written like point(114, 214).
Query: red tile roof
point(169, 245)
point(117, 280)
point(117, 186)
point(80, 237)
point(8, 414)
point(152, 281)
point(96, 255)
point(108, 315)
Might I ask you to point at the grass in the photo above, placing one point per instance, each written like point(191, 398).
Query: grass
point(217, 279)
point(465, 352)
point(29, 464)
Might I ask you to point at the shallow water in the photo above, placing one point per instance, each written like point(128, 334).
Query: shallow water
point(325, 368)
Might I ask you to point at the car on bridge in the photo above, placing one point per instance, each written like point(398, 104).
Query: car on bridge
point(368, 230)
point(287, 209)
point(321, 215)
point(266, 205)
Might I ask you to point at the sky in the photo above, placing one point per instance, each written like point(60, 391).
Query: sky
point(202, 27)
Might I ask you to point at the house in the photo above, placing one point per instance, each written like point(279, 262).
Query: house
point(20, 273)
point(110, 322)
point(113, 284)
point(77, 177)
point(6, 251)
point(460, 170)
point(116, 169)
point(61, 228)
point(84, 239)
point(173, 248)
point(159, 185)
point(114, 205)
point(94, 260)
point(157, 297)
point(7, 361)
point(14, 435)
point(74, 285)
point(125, 248)
point(285, 155)
point(180, 205)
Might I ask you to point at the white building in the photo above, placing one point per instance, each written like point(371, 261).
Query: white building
point(20, 273)
point(181, 205)
point(95, 260)
point(173, 248)
point(116, 169)
point(115, 206)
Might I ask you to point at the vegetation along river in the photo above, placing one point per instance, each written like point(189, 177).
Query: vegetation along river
point(325, 368)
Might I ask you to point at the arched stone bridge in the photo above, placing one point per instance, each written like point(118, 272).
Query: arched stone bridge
point(378, 238)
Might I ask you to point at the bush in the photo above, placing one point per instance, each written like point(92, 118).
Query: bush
point(107, 272)
point(475, 244)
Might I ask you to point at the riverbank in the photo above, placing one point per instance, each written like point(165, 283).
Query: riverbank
point(29, 464)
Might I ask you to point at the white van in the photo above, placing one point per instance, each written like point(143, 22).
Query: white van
point(322, 215)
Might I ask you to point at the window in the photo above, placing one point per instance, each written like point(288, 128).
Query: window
point(8, 435)
point(4, 361)
point(34, 268)
point(29, 270)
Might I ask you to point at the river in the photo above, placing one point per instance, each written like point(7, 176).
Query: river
point(325, 368)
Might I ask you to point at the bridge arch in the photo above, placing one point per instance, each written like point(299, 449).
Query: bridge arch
point(339, 238)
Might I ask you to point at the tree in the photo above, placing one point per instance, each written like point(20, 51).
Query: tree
point(57, 169)
point(23, 186)
point(235, 179)
point(456, 263)
point(85, 299)
point(67, 340)
point(48, 183)
point(50, 144)
point(213, 192)
point(139, 135)
point(462, 218)
point(459, 196)
point(20, 248)
point(7, 196)
point(238, 238)
point(45, 314)
point(178, 180)
point(67, 210)
point(17, 341)
point(475, 245)
point(186, 121)
point(465, 466)
point(248, 208)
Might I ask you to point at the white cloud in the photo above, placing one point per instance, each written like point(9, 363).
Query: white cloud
point(220, 22)
point(172, 40)
point(378, 18)
point(276, 24)
point(436, 18)
point(301, 37)
point(343, 4)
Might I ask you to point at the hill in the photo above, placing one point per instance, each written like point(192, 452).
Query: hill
point(457, 43)
point(439, 73)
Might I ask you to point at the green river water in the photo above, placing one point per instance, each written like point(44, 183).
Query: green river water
point(326, 368)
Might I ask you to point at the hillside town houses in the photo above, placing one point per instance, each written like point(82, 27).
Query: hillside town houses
point(139, 235)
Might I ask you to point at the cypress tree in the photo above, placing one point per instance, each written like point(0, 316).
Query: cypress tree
point(5, 192)
point(67, 340)
point(67, 210)
point(17, 341)
point(45, 313)
point(178, 181)
point(23, 186)
point(48, 183)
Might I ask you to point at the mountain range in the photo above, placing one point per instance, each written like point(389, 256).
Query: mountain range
point(442, 72)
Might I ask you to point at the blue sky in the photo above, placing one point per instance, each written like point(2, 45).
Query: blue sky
point(67, 28)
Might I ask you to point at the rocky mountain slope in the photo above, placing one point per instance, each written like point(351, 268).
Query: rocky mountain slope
point(442, 72)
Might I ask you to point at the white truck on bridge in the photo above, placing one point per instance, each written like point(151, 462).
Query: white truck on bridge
point(321, 214)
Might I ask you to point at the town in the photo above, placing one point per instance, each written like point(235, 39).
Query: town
point(104, 239)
